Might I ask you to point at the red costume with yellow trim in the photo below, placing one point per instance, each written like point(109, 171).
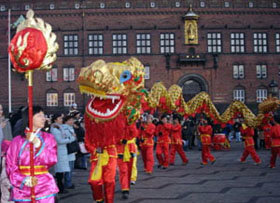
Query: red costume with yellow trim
point(267, 135)
point(127, 150)
point(275, 144)
point(147, 146)
point(248, 134)
point(205, 137)
point(162, 149)
point(176, 144)
point(116, 90)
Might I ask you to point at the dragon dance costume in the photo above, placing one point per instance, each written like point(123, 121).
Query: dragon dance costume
point(275, 144)
point(162, 148)
point(18, 168)
point(205, 137)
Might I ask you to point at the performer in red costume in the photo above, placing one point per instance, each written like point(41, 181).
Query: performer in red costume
point(127, 150)
point(205, 131)
point(267, 135)
point(147, 144)
point(176, 141)
point(275, 142)
point(247, 134)
point(162, 149)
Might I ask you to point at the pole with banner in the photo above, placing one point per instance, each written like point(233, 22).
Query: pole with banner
point(33, 47)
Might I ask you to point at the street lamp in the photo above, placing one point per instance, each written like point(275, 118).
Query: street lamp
point(273, 88)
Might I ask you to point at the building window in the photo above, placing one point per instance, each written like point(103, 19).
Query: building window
point(238, 71)
point(167, 43)
point(277, 42)
point(119, 44)
point(70, 45)
point(143, 43)
point(279, 69)
point(226, 4)
point(2, 8)
point(68, 99)
point(260, 42)
point(237, 42)
point(239, 94)
point(26, 7)
point(177, 4)
point(77, 5)
point(202, 4)
point(95, 44)
point(261, 95)
point(51, 6)
point(147, 72)
point(153, 4)
point(127, 4)
point(51, 75)
point(261, 71)
point(102, 5)
point(251, 4)
point(52, 99)
point(274, 5)
point(214, 42)
point(69, 74)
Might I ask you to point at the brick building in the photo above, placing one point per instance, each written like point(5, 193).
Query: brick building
point(234, 54)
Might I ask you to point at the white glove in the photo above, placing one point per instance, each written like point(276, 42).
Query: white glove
point(28, 181)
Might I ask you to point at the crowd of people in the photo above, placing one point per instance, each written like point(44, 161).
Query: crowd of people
point(58, 141)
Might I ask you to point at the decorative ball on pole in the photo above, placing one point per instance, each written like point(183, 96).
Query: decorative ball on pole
point(273, 88)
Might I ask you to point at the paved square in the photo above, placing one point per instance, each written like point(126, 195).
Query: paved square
point(226, 181)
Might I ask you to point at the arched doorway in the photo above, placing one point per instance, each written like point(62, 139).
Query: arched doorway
point(191, 85)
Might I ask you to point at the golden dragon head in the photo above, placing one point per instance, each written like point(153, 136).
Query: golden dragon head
point(114, 87)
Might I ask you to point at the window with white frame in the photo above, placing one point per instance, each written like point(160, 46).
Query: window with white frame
point(261, 71)
point(2, 8)
point(177, 4)
point(119, 44)
point(274, 5)
point(52, 99)
point(279, 69)
point(226, 4)
point(238, 71)
point(239, 94)
point(70, 44)
point(260, 42)
point(167, 43)
point(152, 4)
point(237, 42)
point(147, 72)
point(51, 75)
point(143, 43)
point(277, 42)
point(127, 5)
point(68, 98)
point(251, 4)
point(95, 44)
point(214, 42)
point(261, 94)
point(202, 4)
point(69, 74)
point(77, 5)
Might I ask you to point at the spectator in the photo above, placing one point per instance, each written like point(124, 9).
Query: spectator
point(69, 134)
point(6, 126)
point(62, 165)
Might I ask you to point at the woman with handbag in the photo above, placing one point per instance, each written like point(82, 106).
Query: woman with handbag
point(62, 165)
point(72, 149)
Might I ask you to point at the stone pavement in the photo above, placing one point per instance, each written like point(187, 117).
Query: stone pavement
point(225, 181)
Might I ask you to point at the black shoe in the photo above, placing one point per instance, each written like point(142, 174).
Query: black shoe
point(159, 166)
point(164, 168)
point(63, 192)
point(213, 162)
point(71, 187)
point(125, 194)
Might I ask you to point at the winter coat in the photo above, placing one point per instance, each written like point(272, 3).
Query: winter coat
point(69, 133)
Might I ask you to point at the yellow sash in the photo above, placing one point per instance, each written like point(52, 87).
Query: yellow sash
point(102, 160)
point(126, 152)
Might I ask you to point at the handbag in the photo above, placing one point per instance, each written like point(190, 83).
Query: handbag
point(73, 147)
point(83, 148)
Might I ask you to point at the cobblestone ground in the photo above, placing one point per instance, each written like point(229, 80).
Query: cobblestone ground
point(225, 181)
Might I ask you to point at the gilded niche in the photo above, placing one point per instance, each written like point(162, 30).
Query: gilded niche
point(191, 29)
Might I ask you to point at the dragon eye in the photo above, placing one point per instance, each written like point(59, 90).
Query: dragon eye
point(125, 76)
